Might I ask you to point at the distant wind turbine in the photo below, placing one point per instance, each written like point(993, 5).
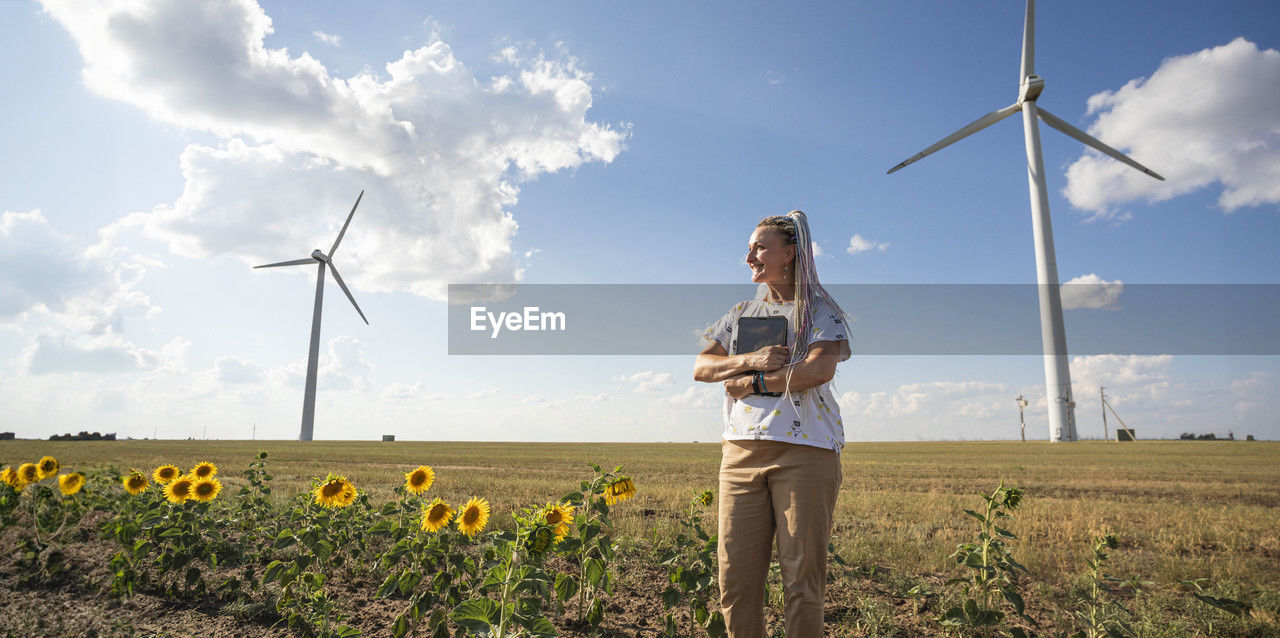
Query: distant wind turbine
point(313, 357)
point(1062, 422)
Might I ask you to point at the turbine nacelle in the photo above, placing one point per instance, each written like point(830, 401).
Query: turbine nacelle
point(1030, 89)
point(319, 256)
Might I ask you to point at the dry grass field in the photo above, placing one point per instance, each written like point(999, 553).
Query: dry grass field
point(1182, 510)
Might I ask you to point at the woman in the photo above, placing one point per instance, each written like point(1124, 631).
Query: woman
point(780, 469)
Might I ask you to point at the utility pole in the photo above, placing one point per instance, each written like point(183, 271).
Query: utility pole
point(1103, 397)
point(255, 432)
point(1022, 403)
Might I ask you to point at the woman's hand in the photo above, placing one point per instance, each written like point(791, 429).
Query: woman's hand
point(739, 386)
point(768, 358)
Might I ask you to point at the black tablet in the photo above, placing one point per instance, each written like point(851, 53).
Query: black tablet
point(757, 332)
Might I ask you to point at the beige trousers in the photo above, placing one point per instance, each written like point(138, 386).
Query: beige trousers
point(770, 488)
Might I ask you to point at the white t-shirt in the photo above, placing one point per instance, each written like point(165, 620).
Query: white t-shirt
point(809, 417)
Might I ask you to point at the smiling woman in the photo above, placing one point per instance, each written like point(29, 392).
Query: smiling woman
point(780, 465)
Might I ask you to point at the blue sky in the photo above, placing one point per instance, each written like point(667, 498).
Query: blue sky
point(639, 146)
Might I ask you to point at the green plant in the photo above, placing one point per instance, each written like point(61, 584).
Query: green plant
point(1098, 614)
point(691, 572)
point(591, 549)
point(303, 601)
point(516, 576)
point(990, 570)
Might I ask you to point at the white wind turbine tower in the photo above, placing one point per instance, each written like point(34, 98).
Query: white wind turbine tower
point(1062, 423)
point(309, 397)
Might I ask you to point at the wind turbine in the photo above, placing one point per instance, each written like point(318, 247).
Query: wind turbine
point(313, 357)
point(1057, 376)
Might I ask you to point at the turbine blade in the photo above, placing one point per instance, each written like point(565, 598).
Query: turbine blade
point(343, 286)
point(344, 226)
point(973, 127)
point(296, 262)
point(1055, 122)
point(1029, 42)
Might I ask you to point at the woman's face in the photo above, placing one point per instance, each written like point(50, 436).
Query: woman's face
point(768, 254)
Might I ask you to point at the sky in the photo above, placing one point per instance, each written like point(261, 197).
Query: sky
point(158, 149)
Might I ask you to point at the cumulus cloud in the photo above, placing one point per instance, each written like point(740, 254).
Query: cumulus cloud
point(858, 244)
point(696, 397)
point(237, 370)
point(941, 398)
point(1091, 291)
point(327, 38)
point(441, 152)
point(49, 274)
point(1129, 376)
point(1209, 117)
point(647, 381)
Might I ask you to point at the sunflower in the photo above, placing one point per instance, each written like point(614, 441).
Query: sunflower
point(474, 516)
point(560, 517)
point(206, 489)
point(180, 489)
point(335, 492)
point(166, 473)
point(436, 515)
point(619, 490)
point(135, 482)
point(706, 498)
point(47, 466)
point(204, 469)
point(28, 473)
point(420, 480)
point(70, 483)
point(8, 476)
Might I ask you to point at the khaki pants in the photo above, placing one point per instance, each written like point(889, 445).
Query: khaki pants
point(769, 487)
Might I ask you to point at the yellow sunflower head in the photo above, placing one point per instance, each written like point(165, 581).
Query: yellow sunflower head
point(620, 490)
point(474, 516)
point(705, 499)
point(9, 476)
point(165, 473)
point(204, 469)
point(28, 473)
point(70, 483)
point(560, 517)
point(206, 489)
point(436, 515)
point(47, 466)
point(179, 489)
point(420, 480)
point(135, 482)
point(337, 491)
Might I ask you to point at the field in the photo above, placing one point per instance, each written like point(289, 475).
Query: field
point(1181, 511)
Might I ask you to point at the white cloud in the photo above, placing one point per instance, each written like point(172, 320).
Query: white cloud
point(774, 77)
point(858, 244)
point(51, 281)
point(940, 398)
point(1128, 376)
point(1091, 291)
point(647, 381)
point(486, 393)
point(697, 397)
point(328, 38)
point(441, 153)
point(237, 370)
point(817, 250)
point(1211, 116)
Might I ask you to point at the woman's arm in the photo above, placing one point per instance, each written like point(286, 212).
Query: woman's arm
point(714, 364)
point(816, 369)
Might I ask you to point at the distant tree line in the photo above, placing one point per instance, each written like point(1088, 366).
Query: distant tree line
point(1231, 436)
point(84, 436)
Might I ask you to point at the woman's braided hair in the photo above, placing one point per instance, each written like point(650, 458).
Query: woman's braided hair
point(794, 228)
